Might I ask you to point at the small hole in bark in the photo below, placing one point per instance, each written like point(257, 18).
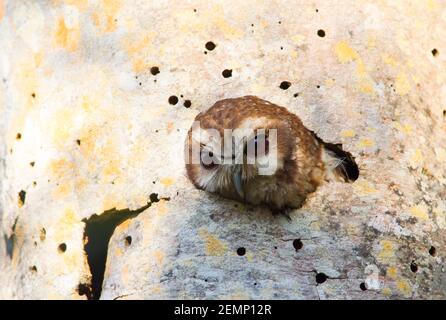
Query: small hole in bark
point(321, 277)
point(22, 197)
point(42, 234)
point(173, 100)
point(34, 183)
point(297, 244)
point(295, 95)
point(227, 73)
point(128, 240)
point(321, 33)
point(62, 248)
point(33, 269)
point(413, 266)
point(84, 289)
point(32, 163)
point(432, 251)
point(154, 197)
point(33, 95)
point(285, 85)
point(78, 142)
point(280, 22)
point(317, 10)
point(275, 247)
point(187, 103)
point(241, 251)
point(210, 45)
point(18, 136)
point(205, 52)
point(434, 52)
point(363, 286)
point(154, 70)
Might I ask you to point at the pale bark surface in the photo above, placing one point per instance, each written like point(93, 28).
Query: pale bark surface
point(86, 128)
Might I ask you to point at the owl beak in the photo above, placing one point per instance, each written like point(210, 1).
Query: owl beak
point(237, 180)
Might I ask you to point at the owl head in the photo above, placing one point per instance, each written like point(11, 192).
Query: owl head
point(235, 142)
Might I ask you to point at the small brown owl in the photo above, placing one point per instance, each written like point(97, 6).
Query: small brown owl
point(254, 151)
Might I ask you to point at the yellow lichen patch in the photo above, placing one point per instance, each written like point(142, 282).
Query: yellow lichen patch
point(366, 143)
point(167, 182)
point(161, 208)
point(2, 10)
point(402, 85)
point(386, 291)
point(345, 53)
point(298, 39)
point(392, 272)
point(65, 37)
point(365, 87)
point(404, 128)
point(432, 4)
point(212, 245)
point(416, 159)
point(125, 274)
point(387, 251)
point(420, 212)
point(118, 252)
point(404, 288)
point(348, 133)
point(389, 60)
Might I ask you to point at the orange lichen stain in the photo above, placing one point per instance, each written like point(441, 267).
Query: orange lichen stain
point(404, 288)
point(65, 226)
point(105, 19)
point(387, 251)
point(167, 182)
point(420, 212)
point(432, 4)
point(118, 252)
point(161, 208)
point(125, 275)
point(392, 272)
point(212, 245)
point(80, 4)
point(2, 9)
point(348, 133)
point(62, 190)
point(113, 201)
point(169, 127)
point(136, 49)
point(67, 38)
point(366, 143)
point(159, 256)
point(402, 85)
point(38, 58)
point(123, 226)
point(61, 168)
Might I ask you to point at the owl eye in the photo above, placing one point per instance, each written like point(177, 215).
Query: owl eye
point(207, 159)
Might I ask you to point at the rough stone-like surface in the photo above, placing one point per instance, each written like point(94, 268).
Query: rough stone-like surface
point(86, 127)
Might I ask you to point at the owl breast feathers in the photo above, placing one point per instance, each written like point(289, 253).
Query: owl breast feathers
point(254, 151)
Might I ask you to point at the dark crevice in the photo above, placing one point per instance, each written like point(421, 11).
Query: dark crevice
point(97, 233)
point(348, 167)
point(10, 241)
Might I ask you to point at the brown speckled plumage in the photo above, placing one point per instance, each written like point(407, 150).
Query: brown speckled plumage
point(302, 156)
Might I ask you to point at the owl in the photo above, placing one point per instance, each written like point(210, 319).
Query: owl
point(253, 151)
